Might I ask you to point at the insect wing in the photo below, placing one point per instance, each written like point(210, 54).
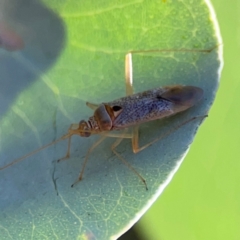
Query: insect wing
point(140, 110)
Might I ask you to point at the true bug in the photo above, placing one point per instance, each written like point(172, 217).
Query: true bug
point(130, 111)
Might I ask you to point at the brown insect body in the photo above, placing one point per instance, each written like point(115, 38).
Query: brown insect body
point(141, 107)
point(132, 110)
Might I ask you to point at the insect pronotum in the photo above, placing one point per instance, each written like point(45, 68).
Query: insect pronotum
point(130, 111)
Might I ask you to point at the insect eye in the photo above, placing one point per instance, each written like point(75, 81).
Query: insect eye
point(116, 108)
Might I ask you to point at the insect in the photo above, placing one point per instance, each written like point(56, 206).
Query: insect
point(129, 111)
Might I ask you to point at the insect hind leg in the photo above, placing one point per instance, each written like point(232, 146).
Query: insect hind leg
point(129, 90)
point(129, 68)
point(135, 144)
point(174, 50)
point(128, 74)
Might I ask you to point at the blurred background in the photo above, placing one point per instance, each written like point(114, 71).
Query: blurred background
point(203, 199)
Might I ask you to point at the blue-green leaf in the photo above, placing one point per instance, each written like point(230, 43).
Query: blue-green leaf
point(74, 52)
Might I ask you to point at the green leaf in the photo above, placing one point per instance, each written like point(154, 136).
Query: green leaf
point(74, 52)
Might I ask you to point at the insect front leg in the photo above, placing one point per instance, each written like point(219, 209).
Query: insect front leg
point(129, 91)
point(80, 176)
point(72, 126)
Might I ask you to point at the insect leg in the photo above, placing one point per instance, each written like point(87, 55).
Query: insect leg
point(117, 135)
point(86, 159)
point(128, 74)
point(135, 145)
point(120, 137)
point(93, 106)
point(72, 126)
point(129, 68)
point(175, 50)
point(113, 147)
point(129, 91)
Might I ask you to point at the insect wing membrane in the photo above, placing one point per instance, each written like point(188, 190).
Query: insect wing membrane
point(183, 96)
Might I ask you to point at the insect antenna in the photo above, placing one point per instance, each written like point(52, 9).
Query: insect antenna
point(66, 136)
